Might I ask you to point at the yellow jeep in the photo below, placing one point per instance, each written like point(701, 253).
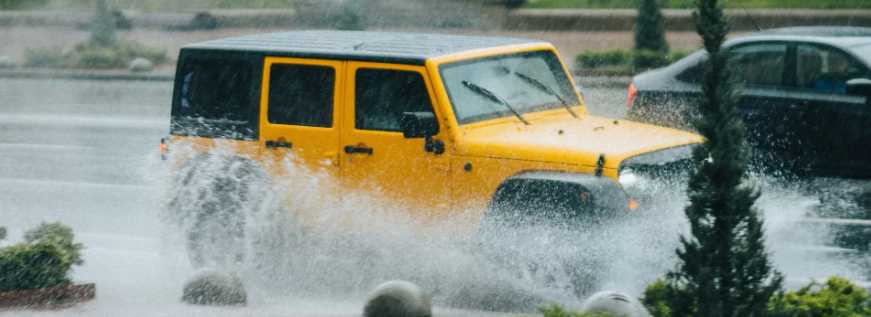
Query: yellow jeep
point(440, 124)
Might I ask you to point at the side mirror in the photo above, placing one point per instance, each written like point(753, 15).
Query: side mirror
point(418, 124)
point(861, 87)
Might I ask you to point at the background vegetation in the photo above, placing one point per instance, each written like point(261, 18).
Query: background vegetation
point(689, 4)
point(44, 259)
point(173, 5)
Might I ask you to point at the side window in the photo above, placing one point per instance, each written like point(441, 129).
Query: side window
point(301, 95)
point(824, 69)
point(383, 95)
point(758, 64)
point(215, 89)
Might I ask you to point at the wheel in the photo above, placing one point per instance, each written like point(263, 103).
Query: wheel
point(214, 199)
point(533, 231)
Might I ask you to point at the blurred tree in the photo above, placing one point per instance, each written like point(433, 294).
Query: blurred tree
point(650, 28)
point(103, 26)
point(723, 267)
point(350, 17)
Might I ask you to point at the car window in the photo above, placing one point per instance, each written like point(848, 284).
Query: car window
point(301, 95)
point(215, 89)
point(382, 96)
point(758, 64)
point(824, 69)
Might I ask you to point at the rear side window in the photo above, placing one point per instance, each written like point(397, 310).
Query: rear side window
point(758, 64)
point(214, 98)
point(301, 95)
point(383, 95)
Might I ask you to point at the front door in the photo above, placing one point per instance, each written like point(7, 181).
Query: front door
point(299, 126)
point(377, 161)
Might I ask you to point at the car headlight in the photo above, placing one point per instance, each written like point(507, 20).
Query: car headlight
point(652, 162)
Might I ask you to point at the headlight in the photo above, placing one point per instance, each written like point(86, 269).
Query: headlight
point(657, 162)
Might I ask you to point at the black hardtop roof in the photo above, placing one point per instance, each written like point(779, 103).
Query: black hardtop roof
point(399, 47)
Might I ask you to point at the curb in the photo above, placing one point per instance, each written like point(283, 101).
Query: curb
point(28, 73)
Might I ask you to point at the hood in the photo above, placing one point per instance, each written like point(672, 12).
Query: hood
point(569, 140)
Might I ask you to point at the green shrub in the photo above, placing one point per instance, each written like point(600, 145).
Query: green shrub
point(60, 235)
point(557, 311)
point(656, 298)
point(21, 4)
point(836, 298)
point(44, 57)
point(593, 59)
point(29, 266)
point(647, 59)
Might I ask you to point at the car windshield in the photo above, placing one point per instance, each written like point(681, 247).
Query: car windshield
point(494, 87)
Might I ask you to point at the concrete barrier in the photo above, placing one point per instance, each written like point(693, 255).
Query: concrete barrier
point(676, 20)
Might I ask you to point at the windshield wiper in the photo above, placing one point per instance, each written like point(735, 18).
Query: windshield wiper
point(541, 86)
point(493, 97)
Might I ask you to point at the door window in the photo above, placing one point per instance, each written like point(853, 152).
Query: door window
point(301, 95)
point(824, 69)
point(382, 96)
point(758, 64)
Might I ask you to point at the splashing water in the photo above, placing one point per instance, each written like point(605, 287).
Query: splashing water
point(351, 245)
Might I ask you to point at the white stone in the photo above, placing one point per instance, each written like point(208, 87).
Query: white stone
point(614, 303)
point(398, 299)
point(140, 65)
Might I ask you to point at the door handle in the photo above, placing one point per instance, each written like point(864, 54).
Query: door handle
point(358, 149)
point(271, 144)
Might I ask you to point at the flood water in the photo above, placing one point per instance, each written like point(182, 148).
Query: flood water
point(86, 153)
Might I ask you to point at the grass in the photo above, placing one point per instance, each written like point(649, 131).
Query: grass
point(734, 4)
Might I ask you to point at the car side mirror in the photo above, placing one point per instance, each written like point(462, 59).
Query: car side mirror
point(860, 87)
point(418, 124)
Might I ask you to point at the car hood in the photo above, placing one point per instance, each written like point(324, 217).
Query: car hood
point(570, 140)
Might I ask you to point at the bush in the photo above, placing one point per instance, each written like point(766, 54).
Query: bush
point(29, 266)
point(836, 298)
point(60, 235)
point(656, 298)
point(626, 60)
point(557, 311)
point(647, 59)
point(44, 57)
point(21, 4)
point(92, 55)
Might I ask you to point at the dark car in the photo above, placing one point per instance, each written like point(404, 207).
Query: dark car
point(805, 97)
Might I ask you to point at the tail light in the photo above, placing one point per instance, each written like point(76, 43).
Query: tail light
point(630, 98)
point(163, 149)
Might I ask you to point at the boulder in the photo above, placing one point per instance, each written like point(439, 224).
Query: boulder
point(141, 65)
point(398, 299)
point(214, 288)
point(614, 304)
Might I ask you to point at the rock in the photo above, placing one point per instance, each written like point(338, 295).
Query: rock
point(6, 62)
point(214, 288)
point(398, 299)
point(614, 303)
point(140, 65)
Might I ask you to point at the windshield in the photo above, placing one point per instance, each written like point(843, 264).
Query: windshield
point(523, 82)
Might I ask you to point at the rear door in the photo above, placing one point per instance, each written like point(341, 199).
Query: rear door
point(768, 112)
point(376, 159)
point(299, 121)
point(837, 123)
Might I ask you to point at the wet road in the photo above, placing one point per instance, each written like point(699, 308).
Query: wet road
point(86, 153)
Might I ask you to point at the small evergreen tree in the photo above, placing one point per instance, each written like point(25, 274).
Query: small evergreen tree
point(724, 268)
point(103, 26)
point(650, 28)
